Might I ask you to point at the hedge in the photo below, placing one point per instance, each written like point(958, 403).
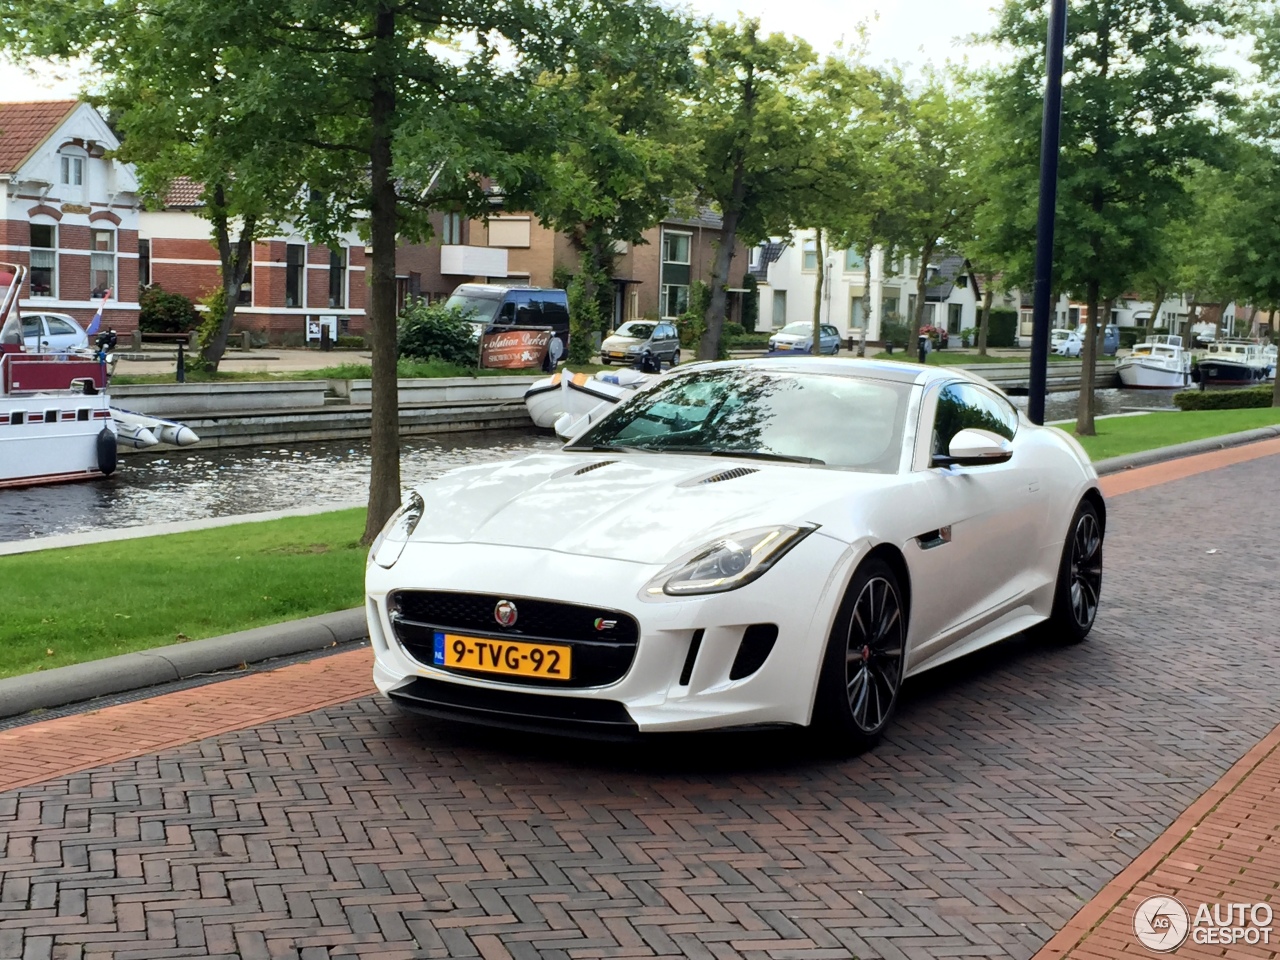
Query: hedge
point(1248, 398)
point(1002, 328)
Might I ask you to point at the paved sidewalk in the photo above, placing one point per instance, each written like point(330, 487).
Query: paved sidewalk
point(289, 814)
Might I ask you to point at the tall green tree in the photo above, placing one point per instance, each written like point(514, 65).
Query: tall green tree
point(1141, 97)
point(755, 153)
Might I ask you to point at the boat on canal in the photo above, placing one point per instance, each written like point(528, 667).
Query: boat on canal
point(550, 398)
point(1158, 363)
point(55, 416)
point(1233, 362)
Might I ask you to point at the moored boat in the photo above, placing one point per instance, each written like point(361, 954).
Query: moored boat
point(1159, 362)
point(55, 417)
point(1232, 362)
point(550, 398)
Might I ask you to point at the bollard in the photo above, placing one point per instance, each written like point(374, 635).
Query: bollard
point(326, 343)
point(924, 354)
point(181, 372)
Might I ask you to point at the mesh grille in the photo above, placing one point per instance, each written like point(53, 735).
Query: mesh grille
point(593, 466)
point(733, 474)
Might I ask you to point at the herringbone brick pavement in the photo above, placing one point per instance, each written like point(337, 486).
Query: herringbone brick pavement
point(1013, 787)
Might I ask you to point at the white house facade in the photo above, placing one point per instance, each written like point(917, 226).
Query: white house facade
point(67, 212)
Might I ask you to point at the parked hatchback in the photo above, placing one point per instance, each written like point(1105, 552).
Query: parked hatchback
point(52, 333)
point(630, 341)
point(1073, 344)
point(798, 338)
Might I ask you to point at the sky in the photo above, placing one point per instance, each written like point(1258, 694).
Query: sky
point(910, 32)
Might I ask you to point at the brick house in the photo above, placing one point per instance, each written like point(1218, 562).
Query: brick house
point(67, 213)
point(292, 286)
point(650, 279)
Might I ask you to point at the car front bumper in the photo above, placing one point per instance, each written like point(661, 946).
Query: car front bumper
point(682, 676)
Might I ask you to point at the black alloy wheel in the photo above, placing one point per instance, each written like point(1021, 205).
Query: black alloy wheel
point(1079, 589)
point(865, 658)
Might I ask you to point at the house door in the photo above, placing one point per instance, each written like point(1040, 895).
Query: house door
point(955, 313)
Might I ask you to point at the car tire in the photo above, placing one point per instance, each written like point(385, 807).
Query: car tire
point(864, 661)
point(675, 359)
point(1079, 585)
point(606, 361)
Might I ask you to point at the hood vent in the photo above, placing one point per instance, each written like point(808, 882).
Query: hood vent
point(731, 474)
point(592, 466)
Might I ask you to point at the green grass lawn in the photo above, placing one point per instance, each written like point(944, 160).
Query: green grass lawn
point(1117, 436)
point(83, 603)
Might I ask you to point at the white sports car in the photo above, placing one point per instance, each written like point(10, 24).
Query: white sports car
point(744, 543)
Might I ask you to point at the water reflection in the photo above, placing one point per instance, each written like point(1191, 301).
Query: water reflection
point(191, 484)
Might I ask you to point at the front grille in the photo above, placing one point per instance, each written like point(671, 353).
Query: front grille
point(600, 655)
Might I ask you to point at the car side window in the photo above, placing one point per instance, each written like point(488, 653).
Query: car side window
point(57, 326)
point(963, 406)
point(31, 326)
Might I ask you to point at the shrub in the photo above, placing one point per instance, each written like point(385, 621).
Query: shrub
point(432, 331)
point(968, 336)
point(1002, 328)
point(584, 321)
point(732, 330)
point(160, 311)
point(693, 322)
point(894, 331)
point(1131, 335)
point(348, 342)
point(1248, 398)
point(750, 302)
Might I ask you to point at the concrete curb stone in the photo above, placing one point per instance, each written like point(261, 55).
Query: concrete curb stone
point(134, 671)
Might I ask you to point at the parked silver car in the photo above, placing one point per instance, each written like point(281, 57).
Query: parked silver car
point(629, 342)
point(52, 333)
point(798, 338)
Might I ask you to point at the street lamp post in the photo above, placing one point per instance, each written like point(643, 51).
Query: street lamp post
point(1050, 137)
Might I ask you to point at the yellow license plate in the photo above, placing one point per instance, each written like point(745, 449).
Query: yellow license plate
point(512, 657)
point(783, 346)
point(617, 356)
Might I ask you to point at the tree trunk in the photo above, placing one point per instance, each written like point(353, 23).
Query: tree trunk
point(235, 260)
point(866, 299)
point(1088, 360)
point(816, 349)
point(984, 321)
point(384, 429)
point(709, 346)
point(1161, 293)
point(917, 320)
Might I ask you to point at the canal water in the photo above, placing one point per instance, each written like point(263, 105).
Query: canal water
point(190, 484)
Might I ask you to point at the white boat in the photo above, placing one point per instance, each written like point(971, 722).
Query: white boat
point(1269, 355)
point(157, 429)
point(1158, 363)
point(550, 398)
point(55, 416)
point(1233, 361)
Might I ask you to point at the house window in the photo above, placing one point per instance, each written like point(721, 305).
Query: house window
point(676, 274)
point(854, 260)
point(451, 230)
point(911, 305)
point(44, 260)
point(753, 258)
point(102, 262)
point(509, 232)
point(144, 264)
point(810, 255)
point(73, 171)
point(246, 286)
point(338, 277)
point(295, 260)
point(889, 305)
point(675, 301)
point(779, 308)
point(856, 319)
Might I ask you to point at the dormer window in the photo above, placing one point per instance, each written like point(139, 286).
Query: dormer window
point(73, 171)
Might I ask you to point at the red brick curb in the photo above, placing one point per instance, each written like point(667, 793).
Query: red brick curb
point(1098, 919)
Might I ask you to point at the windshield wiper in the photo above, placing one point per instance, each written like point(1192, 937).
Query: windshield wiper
point(603, 448)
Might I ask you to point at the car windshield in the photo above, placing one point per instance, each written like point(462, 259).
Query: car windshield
point(481, 309)
point(840, 421)
point(797, 329)
point(641, 331)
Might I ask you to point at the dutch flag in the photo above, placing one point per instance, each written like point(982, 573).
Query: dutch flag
point(96, 322)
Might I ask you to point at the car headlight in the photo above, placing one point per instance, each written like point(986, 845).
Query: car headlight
point(390, 541)
point(634, 348)
point(727, 563)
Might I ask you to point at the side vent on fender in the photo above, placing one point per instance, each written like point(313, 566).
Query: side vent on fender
point(686, 672)
point(592, 466)
point(757, 643)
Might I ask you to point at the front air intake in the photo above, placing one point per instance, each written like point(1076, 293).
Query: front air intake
point(757, 642)
point(592, 466)
point(733, 474)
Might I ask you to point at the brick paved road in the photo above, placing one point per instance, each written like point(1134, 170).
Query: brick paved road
point(1015, 786)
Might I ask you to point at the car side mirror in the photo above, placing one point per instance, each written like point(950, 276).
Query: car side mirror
point(973, 448)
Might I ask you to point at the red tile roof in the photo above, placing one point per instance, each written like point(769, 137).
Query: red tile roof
point(184, 192)
point(24, 126)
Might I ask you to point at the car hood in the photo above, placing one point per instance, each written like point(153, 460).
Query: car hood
point(790, 337)
point(642, 507)
point(616, 341)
